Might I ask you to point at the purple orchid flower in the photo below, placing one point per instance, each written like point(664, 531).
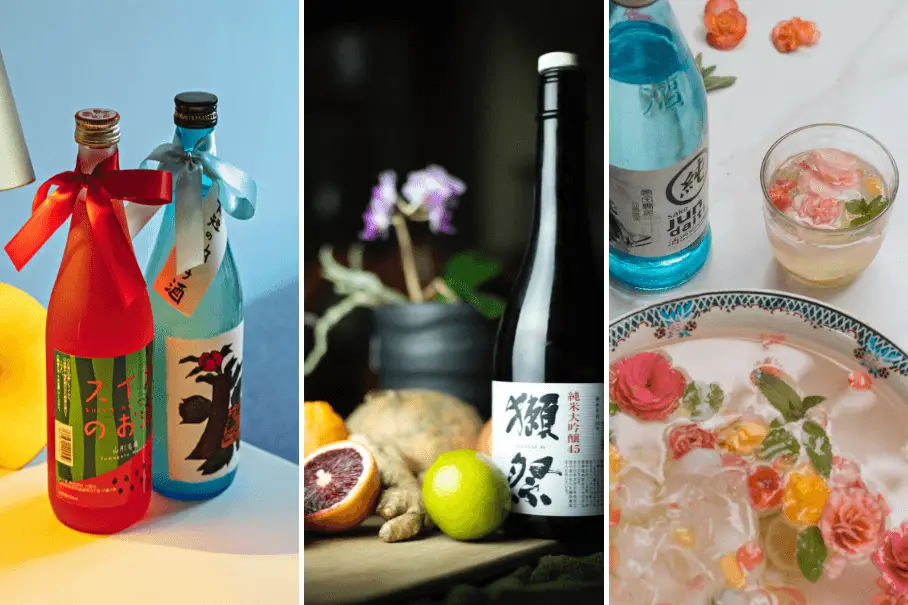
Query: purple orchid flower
point(377, 218)
point(436, 191)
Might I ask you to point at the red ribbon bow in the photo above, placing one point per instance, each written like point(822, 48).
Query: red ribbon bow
point(49, 212)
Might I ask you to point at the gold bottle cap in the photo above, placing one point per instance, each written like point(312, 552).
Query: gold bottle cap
point(195, 110)
point(97, 127)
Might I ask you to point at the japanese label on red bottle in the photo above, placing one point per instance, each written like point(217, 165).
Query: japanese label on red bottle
point(549, 439)
point(102, 424)
point(184, 291)
point(204, 379)
point(658, 212)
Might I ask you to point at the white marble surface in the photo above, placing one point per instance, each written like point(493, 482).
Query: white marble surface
point(857, 75)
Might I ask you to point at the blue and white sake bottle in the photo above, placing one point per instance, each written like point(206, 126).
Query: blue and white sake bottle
point(197, 302)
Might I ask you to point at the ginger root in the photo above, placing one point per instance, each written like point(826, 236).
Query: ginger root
point(400, 503)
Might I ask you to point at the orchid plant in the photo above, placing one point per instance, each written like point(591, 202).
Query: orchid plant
point(428, 196)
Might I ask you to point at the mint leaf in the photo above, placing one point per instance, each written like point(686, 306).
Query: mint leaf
point(856, 206)
point(819, 450)
point(812, 401)
point(811, 553)
point(701, 401)
point(779, 442)
point(777, 423)
point(780, 395)
point(711, 82)
point(612, 408)
point(692, 400)
point(877, 206)
point(465, 273)
point(715, 397)
point(716, 82)
point(864, 210)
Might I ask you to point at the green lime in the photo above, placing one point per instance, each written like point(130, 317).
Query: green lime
point(466, 495)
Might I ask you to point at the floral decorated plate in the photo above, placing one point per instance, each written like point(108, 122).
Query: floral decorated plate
point(757, 455)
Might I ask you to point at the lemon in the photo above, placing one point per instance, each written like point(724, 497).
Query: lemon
point(466, 495)
point(780, 543)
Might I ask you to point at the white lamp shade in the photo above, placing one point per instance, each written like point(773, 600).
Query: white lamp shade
point(15, 164)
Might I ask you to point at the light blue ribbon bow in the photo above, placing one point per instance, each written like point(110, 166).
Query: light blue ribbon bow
point(235, 189)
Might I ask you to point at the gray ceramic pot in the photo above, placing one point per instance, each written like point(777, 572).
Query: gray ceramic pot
point(437, 346)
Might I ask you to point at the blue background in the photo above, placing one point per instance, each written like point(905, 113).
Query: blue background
point(133, 57)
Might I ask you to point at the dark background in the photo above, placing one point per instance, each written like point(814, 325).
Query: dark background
point(400, 85)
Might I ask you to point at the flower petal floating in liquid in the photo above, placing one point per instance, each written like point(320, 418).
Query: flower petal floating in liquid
point(647, 387)
point(852, 522)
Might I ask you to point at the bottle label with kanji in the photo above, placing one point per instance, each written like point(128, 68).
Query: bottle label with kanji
point(204, 379)
point(549, 440)
point(656, 213)
point(102, 420)
point(184, 290)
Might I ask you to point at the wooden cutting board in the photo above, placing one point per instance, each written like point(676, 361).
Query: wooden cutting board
point(358, 567)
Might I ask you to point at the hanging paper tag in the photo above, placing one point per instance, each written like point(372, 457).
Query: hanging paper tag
point(184, 291)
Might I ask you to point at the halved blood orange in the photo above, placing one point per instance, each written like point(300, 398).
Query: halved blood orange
point(341, 483)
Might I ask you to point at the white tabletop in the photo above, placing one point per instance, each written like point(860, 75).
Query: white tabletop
point(855, 75)
point(239, 548)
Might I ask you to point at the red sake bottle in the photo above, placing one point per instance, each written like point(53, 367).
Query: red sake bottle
point(99, 334)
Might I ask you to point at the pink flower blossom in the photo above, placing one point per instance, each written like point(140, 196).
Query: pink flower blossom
point(682, 439)
point(834, 566)
point(852, 522)
point(771, 339)
point(891, 558)
point(647, 387)
point(837, 168)
point(820, 210)
point(859, 381)
point(888, 596)
point(780, 193)
point(846, 474)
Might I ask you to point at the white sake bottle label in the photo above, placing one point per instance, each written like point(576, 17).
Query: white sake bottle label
point(204, 379)
point(655, 213)
point(184, 291)
point(549, 440)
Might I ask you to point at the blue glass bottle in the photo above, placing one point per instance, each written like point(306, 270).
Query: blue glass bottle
point(217, 319)
point(659, 234)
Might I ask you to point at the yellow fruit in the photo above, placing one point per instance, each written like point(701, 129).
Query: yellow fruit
point(466, 495)
point(341, 484)
point(23, 378)
point(780, 544)
point(321, 426)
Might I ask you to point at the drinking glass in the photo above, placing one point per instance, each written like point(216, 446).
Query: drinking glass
point(814, 255)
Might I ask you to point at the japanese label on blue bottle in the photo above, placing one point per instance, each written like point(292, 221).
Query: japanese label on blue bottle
point(204, 379)
point(655, 213)
point(185, 290)
point(549, 440)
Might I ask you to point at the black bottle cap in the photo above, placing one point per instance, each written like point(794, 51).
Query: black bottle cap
point(195, 110)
